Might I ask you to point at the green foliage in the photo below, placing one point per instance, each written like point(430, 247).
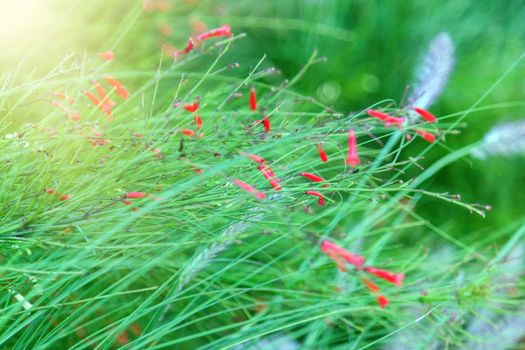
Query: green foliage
point(201, 263)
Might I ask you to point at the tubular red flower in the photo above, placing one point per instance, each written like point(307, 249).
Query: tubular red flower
point(157, 152)
point(312, 177)
point(266, 124)
point(103, 107)
point(106, 55)
point(254, 157)
point(337, 252)
point(192, 108)
point(249, 189)
point(269, 170)
point(371, 285)
point(75, 116)
point(61, 197)
point(253, 100)
point(59, 95)
point(198, 121)
point(63, 96)
point(135, 195)
point(196, 170)
point(394, 278)
point(93, 98)
point(320, 202)
point(382, 301)
point(275, 184)
point(188, 132)
point(189, 46)
point(387, 118)
point(429, 117)
point(104, 98)
point(270, 176)
point(426, 135)
point(225, 30)
point(322, 153)
point(267, 175)
point(119, 88)
point(352, 159)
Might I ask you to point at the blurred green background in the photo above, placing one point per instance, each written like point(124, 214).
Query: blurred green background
point(371, 47)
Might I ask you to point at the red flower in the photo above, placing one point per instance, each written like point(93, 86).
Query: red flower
point(119, 88)
point(275, 184)
point(312, 177)
point(374, 289)
point(189, 46)
point(225, 30)
point(341, 255)
point(102, 94)
point(317, 194)
point(253, 100)
point(255, 157)
point(322, 153)
point(73, 115)
point(429, 117)
point(266, 124)
point(352, 159)
point(63, 96)
point(59, 95)
point(382, 301)
point(198, 121)
point(60, 196)
point(93, 98)
point(426, 135)
point(270, 176)
point(59, 106)
point(196, 170)
point(135, 195)
point(371, 285)
point(157, 152)
point(98, 103)
point(106, 55)
point(249, 189)
point(394, 278)
point(188, 132)
point(192, 108)
point(267, 175)
point(387, 118)
point(269, 170)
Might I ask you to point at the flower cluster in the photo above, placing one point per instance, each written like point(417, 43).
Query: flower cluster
point(342, 257)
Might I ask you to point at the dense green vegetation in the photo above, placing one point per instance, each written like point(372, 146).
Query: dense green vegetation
point(156, 247)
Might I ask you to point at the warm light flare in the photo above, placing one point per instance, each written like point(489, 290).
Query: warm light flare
point(25, 26)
